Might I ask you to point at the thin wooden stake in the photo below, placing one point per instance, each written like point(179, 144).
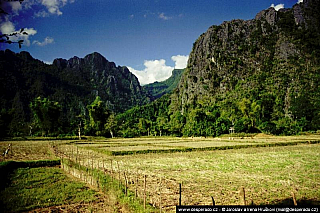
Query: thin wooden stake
point(252, 204)
point(111, 170)
point(179, 194)
point(77, 155)
point(160, 185)
point(144, 191)
point(119, 172)
point(213, 202)
point(92, 164)
point(136, 192)
point(294, 199)
point(92, 171)
point(126, 183)
point(71, 153)
point(243, 196)
point(88, 158)
point(103, 167)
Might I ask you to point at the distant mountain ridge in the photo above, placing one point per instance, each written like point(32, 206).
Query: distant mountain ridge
point(158, 89)
point(74, 83)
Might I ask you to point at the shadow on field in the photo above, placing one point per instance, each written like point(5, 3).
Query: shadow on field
point(300, 202)
point(7, 167)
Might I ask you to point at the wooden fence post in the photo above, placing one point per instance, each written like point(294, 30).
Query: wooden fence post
point(213, 202)
point(294, 199)
point(126, 183)
point(111, 169)
point(144, 191)
point(160, 185)
point(243, 196)
point(88, 158)
point(136, 191)
point(179, 194)
point(92, 164)
point(92, 171)
point(104, 170)
point(119, 173)
point(77, 155)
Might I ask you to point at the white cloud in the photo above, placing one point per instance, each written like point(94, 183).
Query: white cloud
point(42, 14)
point(53, 6)
point(277, 7)
point(164, 17)
point(47, 62)
point(30, 32)
point(157, 70)
point(47, 40)
point(15, 6)
point(300, 1)
point(8, 28)
point(180, 61)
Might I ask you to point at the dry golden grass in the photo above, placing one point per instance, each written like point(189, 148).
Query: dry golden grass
point(268, 174)
point(26, 150)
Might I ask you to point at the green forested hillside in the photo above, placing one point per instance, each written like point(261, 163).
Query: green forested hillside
point(158, 89)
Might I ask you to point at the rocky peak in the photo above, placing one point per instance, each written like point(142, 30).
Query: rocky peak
point(270, 15)
point(98, 61)
point(75, 62)
point(60, 63)
point(298, 14)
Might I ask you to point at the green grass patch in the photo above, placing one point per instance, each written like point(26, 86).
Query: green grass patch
point(112, 187)
point(31, 188)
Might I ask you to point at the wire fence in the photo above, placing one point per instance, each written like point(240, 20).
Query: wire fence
point(156, 190)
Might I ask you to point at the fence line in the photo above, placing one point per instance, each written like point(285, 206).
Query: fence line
point(158, 191)
point(151, 190)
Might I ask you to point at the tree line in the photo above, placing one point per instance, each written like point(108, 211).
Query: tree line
point(158, 118)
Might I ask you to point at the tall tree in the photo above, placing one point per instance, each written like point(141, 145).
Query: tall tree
point(98, 115)
point(46, 115)
point(111, 124)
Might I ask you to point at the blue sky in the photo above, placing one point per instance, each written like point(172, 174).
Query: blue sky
point(150, 37)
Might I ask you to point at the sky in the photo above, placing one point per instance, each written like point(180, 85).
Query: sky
point(150, 37)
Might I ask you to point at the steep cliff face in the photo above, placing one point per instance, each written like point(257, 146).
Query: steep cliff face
point(272, 60)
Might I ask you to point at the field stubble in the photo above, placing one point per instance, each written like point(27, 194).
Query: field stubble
point(268, 174)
